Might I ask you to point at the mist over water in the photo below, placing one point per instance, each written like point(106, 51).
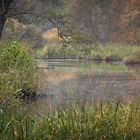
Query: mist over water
point(64, 82)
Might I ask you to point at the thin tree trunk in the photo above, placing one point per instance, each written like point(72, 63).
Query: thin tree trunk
point(2, 23)
point(4, 7)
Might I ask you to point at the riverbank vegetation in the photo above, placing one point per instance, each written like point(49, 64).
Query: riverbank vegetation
point(83, 121)
point(108, 52)
point(17, 73)
point(72, 29)
point(86, 122)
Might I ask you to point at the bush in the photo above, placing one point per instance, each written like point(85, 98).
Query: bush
point(16, 56)
point(17, 72)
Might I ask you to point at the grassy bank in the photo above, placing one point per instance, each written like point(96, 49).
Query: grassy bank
point(83, 122)
point(87, 122)
point(17, 73)
point(126, 53)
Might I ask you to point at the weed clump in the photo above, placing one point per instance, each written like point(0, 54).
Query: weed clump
point(17, 72)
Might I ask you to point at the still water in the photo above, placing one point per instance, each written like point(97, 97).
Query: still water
point(64, 81)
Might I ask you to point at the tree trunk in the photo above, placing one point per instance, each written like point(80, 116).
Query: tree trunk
point(2, 23)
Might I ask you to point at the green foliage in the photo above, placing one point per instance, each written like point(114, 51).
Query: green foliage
point(62, 51)
point(134, 58)
point(15, 56)
point(107, 52)
point(87, 122)
point(17, 73)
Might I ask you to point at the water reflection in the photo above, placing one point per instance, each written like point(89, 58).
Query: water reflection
point(62, 82)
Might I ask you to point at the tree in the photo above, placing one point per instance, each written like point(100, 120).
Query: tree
point(106, 20)
point(37, 9)
point(4, 7)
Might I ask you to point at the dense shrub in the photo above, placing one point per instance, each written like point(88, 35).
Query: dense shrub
point(16, 56)
point(17, 72)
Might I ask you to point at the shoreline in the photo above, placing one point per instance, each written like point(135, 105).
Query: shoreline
point(120, 61)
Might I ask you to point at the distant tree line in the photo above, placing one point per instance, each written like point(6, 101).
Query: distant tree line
point(106, 20)
point(83, 20)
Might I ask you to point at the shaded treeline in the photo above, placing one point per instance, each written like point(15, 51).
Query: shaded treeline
point(4, 7)
point(107, 20)
point(91, 20)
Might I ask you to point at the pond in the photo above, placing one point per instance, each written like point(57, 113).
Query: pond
point(80, 81)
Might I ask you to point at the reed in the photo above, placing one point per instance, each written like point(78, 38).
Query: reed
point(17, 73)
point(84, 122)
point(108, 52)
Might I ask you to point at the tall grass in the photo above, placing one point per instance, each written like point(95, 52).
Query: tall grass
point(107, 52)
point(17, 73)
point(87, 122)
point(84, 122)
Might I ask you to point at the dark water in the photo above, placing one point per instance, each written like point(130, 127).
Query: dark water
point(64, 81)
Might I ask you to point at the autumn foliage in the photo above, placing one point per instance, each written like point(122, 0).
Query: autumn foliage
point(107, 20)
